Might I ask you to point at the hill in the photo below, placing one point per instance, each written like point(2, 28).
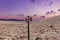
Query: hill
point(48, 29)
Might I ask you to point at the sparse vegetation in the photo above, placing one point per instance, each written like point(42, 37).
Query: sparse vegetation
point(38, 38)
point(38, 30)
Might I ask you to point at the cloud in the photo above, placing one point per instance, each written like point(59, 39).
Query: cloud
point(32, 0)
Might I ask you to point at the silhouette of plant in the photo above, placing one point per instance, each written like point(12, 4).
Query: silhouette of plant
point(50, 3)
point(43, 16)
point(58, 9)
point(38, 38)
point(51, 26)
point(47, 13)
point(52, 12)
point(35, 15)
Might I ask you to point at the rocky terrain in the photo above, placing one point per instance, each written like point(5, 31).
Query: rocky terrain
point(48, 29)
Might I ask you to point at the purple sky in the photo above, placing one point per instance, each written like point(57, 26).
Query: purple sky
point(28, 7)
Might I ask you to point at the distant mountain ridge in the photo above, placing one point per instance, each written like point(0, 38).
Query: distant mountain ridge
point(11, 19)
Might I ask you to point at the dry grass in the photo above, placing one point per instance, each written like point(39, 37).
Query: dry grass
point(45, 30)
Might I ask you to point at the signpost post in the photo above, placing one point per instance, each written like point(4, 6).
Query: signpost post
point(28, 19)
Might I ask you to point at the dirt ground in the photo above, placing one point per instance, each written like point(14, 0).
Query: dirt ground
point(46, 30)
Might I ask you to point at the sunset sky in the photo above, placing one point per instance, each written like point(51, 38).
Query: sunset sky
point(29, 7)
